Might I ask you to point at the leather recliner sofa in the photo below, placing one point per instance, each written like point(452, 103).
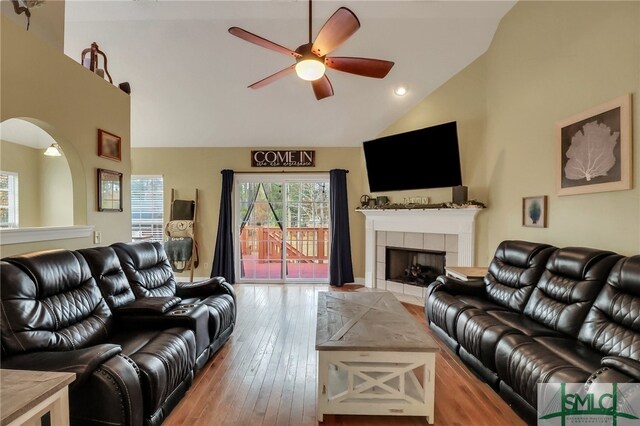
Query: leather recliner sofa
point(139, 286)
point(542, 315)
point(134, 359)
point(148, 270)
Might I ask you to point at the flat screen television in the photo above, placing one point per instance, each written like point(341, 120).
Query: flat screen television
point(419, 159)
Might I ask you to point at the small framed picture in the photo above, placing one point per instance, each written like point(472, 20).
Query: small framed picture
point(594, 149)
point(109, 145)
point(109, 191)
point(534, 211)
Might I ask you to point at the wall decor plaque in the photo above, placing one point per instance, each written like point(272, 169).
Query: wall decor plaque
point(109, 145)
point(594, 149)
point(283, 158)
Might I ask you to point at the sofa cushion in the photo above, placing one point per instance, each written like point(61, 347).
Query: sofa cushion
point(480, 303)
point(165, 358)
point(147, 268)
point(574, 352)
point(514, 271)
point(112, 281)
point(442, 309)
point(479, 333)
point(50, 301)
point(523, 324)
point(568, 287)
point(522, 363)
point(612, 326)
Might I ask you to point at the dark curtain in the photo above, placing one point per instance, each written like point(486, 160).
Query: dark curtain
point(340, 266)
point(223, 254)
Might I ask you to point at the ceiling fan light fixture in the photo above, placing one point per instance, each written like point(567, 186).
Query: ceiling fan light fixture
point(310, 69)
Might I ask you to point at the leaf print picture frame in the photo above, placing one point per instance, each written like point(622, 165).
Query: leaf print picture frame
point(594, 149)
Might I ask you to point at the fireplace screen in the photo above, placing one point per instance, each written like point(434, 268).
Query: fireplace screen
point(411, 266)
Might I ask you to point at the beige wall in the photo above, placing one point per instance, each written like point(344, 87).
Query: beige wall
point(548, 61)
point(21, 159)
point(185, 169)
point(56, 191)
point(70, 104)
point(47, 21)
point(45, 188)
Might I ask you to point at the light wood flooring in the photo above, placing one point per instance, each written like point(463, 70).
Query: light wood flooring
point(266, 373)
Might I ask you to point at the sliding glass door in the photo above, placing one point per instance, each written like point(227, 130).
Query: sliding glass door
point(282, 227)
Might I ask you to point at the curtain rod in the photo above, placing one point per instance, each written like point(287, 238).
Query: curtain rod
point(284, 171)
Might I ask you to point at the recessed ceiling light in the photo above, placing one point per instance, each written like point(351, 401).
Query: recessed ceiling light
point(400, 91)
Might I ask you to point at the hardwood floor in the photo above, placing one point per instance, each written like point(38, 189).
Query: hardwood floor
point(266, 373)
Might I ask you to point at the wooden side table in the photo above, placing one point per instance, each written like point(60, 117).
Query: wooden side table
point(25, 396)
point(466, 273)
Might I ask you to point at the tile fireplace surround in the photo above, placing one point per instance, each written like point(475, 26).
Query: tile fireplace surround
point(448, 230)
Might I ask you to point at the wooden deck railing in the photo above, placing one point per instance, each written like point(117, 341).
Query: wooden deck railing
point(303, 244)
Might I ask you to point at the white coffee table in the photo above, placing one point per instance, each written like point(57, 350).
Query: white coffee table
point(373, 357)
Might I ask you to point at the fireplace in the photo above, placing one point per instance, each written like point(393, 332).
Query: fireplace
point(413, 267)
point(446, 230)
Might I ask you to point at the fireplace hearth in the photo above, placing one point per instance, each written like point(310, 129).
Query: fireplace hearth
point(412, 266)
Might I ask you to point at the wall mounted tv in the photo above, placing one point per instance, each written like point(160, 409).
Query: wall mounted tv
point(419, 159)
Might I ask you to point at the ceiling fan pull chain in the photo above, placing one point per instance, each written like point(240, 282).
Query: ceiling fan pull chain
point(310, 40)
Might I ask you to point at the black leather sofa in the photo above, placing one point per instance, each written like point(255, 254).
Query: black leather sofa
point(139, 286)
point(134, 355)
point(543, 314)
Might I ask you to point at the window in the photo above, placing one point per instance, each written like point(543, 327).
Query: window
point(8, 200)
point(147, 201)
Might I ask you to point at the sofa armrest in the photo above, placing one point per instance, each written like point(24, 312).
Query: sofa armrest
point(451, 285)
point(204, 288)
point(83, 362)
point(149, 305)
point(627, 366)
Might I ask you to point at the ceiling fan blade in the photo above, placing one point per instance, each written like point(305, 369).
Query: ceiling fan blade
point(322, 87)
point(273, 77)
point(338, 28)
point(263, 42)
point(376, 68)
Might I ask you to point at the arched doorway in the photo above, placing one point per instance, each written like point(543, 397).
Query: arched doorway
point(36, 190)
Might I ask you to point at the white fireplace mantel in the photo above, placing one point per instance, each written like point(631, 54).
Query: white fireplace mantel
point(460, 222)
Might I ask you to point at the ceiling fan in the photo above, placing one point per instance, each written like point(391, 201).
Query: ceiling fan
point(311, 58)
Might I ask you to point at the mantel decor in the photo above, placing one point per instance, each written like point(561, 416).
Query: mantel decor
point(594, 149)
point(109, 145)
point(420, 206)
point(109, 191)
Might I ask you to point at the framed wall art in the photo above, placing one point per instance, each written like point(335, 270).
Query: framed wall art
point(594, 149)
point(109, 145)
point(534, 211)
point(109, 191)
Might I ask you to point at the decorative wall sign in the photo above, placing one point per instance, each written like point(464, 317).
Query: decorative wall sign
point(109, 145)
point(283, 158)
point(534, 211)
point(594, 149)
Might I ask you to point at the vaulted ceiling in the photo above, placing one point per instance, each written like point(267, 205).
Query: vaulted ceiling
point(189, 76)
